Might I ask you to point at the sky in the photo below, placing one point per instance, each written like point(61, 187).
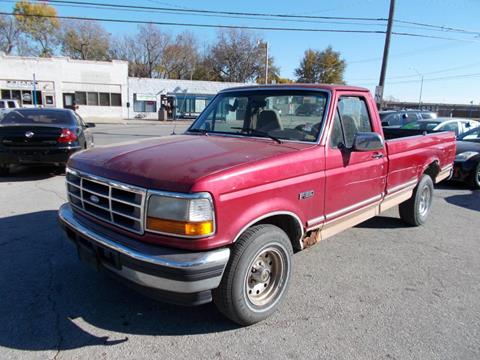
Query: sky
point(450, 67)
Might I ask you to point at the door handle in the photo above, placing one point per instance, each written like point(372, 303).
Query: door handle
point(377, 156)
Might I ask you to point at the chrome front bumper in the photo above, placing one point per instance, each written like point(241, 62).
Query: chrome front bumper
point(170, 271)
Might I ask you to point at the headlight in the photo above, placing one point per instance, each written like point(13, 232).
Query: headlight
point(183, 215)
point(465, 155)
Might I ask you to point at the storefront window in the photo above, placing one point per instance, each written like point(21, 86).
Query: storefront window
point(104, 99)
point(16, 95)
point(80, 98)
point(38, 97)
point(27, 97)
point(116, 99)
point(92, 98)
point(6, 94)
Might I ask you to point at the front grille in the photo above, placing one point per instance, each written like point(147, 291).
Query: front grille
point(107, 200)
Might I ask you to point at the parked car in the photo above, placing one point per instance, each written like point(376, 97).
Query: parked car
point(467, 161)
point(6, 105)
point(216, 213)
point(457, 125)
point(41, 136)
point(399, 118)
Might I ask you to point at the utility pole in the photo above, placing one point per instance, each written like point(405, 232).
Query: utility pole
point(381, 84)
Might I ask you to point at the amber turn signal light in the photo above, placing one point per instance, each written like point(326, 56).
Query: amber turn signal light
point(184, 228)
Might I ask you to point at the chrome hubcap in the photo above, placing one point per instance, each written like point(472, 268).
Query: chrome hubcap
point(266, 275)
point(425, 197)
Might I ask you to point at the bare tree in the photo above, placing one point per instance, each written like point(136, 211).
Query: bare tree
point(143, 51)
point(86, 40)
point(180, 57)
point(9, 34)
point(236, 56)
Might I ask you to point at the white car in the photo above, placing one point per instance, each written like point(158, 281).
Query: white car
point(457, 125)
point(6, 105)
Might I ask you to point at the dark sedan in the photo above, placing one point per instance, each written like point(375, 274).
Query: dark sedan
point(467, 161)
point(41, 136)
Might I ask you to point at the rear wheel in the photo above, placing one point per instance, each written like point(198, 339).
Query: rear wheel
point(415, 210)
point(257, 275)
point(475, 181)
point(4, 170)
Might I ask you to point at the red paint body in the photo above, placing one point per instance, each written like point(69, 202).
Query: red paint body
point(251, 177)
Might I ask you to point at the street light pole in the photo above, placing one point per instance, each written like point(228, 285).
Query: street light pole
point(421, 87)
point(266, 62)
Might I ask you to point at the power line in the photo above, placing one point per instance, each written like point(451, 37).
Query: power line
point(201, 25)
point(219, 12)
point(426, 73)
point(450, 77)
point(439, 27)
point(178, 9)
point(223, 26)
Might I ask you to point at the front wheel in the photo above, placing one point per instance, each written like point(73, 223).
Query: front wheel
point(257, 275)
point(475, 181)
point(415, 210)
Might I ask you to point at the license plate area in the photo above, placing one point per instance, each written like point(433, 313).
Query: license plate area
point(95, 256)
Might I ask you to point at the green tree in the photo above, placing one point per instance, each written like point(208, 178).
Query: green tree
point(39, 22)
point(85, 40)
point(325, 67)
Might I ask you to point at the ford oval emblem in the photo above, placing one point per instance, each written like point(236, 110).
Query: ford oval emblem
point(29, 134)
point(94, 199)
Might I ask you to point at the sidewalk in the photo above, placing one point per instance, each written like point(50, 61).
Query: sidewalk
point(116, 121)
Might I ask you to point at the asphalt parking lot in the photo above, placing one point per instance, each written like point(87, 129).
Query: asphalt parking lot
point(381, 290)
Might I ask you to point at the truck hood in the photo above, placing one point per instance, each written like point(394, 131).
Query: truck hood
point(175, 163)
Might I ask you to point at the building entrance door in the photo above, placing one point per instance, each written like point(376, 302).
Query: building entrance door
point(69, 101)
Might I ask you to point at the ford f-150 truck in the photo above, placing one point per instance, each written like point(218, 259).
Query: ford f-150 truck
point(217, 212)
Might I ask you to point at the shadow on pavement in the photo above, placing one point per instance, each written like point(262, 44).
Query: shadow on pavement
point(383, 222)
point(468, 201)
point(51, 301)
point(31, 173)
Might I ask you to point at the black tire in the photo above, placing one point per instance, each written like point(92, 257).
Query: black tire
point(415, 210)
point(475, 180)
point(4, 170)
point(242, 296)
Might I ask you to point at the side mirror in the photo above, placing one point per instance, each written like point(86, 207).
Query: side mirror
point(386, 123)
point(367, 141)
point(90, 125)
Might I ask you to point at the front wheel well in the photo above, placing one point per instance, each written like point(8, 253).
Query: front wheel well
point(432, 170)
point(288, 223)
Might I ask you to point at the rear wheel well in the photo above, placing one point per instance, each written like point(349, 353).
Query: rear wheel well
point(432, 170)
point(289, 224)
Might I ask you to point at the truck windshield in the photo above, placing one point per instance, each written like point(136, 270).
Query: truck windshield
point(278, 114)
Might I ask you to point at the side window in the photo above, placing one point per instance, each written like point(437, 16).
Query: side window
point(453, 126)
point(354, 117)
point(337, 132)
point(11, 104)
point(2, 105)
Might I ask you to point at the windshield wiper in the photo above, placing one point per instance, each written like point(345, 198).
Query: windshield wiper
point(258, 132)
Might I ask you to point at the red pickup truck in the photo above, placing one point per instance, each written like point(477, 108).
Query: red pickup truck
point(217, 212)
